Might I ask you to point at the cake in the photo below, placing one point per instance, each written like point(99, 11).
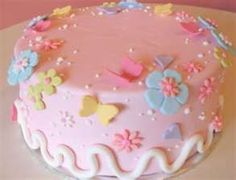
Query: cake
point(121, 89)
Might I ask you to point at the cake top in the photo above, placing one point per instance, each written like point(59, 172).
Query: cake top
point(113, 48)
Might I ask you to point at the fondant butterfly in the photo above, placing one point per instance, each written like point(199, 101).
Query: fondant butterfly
point(104, 112)
point(163, 10)
point(130, 70)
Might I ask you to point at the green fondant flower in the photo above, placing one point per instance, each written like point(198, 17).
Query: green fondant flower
point(49, 81)
point(36, 96)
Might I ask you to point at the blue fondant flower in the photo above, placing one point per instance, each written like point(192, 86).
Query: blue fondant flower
point(21, 67)
point(130, 4)
point(37, 19)
point(166, 91)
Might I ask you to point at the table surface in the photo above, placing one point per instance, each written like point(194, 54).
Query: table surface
point(18, 162)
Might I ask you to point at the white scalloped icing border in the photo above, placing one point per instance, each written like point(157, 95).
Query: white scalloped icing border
point(64, 155)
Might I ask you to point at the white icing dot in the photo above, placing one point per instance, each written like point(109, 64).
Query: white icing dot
point(39, 38)
point(140, 83)
point(187, 110)
point(150, 112)
point(127, 100)
point(206, 62)
point(153, 119)
point(209, 51)
point(75, 51)
point(72, 15)
point(145, 10)
point(75, 25)
point(176, 146)
point(140, 114)
point(202, 116)
point(186, 41)
point(69, 63)
point(200, 55)
point(97, 75)
point(189, 77)
point(93, 13)
point(100, 13)
point(168, 149)
point(131, 50)
point(88, 86)
point(114, 88)
point(205, 43)
point(148, 7)
point(105, 135)
point(65, 26)
point(59, 28)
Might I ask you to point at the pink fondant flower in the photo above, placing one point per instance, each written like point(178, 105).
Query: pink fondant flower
point(169, 87)
point(127, 141)
point(217, 123)
point(193, 67)
point(206, 89)
point(48, 45)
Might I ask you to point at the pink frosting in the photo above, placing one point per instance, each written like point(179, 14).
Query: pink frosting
point(94, 43)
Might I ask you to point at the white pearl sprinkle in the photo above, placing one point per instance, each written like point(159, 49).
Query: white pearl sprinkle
point(60, 60)
point(131, 49)
point(176, 146)
point(202, 116)
point(140, 83)
point(205, 43)
point(39, 38)
point(140, 114)
point(150, 112)
point(200, 55)
point(65, 26)
point(187, 111)
point(153, 119)
point(97, 75)
point(114, 88)
point(100, 13)
point(127, 100)
point(72, 15)
point(87, 86)
point(168, 149)
point(69, 63)
point(75, 51)
point(186, 41)
point(75, 25)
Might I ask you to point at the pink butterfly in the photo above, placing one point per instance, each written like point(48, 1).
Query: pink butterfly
point(191, 27)
point(41, 26)
point(130, 71)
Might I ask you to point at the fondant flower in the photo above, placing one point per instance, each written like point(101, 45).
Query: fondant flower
point(21, 68)
point(193, 67)
point(206, 89)
point(127, 141)
point(48, 45)
point(35, 94)
point(217, 123)
point(67, 119)
point(61, 12)
point(49, 81)
point(36, 20)
point(166, 91)
point(222, 56)
point(163, 9)
point(130, 4)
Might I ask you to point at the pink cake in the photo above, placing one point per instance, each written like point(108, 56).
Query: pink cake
point(121, 90)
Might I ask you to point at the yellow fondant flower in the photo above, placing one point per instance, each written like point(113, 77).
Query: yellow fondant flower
point(163, 10)
point(35, 95)
point(109, 4)
point(49, 81)
point(222, 56)
point(61, 12)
